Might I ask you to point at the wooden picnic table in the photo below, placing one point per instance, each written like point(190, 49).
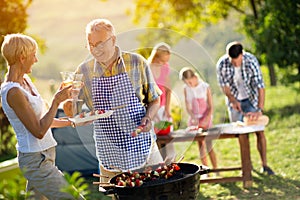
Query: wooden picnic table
point(222, 131)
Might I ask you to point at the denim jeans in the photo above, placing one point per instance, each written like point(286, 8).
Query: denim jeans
point(235, 115)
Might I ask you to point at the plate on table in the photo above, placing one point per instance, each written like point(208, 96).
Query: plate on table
point(91, 116)
point(193, 130)
point(238, 127)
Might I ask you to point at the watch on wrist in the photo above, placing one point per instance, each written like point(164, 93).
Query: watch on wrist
point(259, 110)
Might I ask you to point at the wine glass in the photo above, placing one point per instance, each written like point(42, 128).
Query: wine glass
point(67, 78)
point(76, 86)
point(71, 78)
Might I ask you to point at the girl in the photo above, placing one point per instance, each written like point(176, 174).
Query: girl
point(198, 101)
point(159, 64)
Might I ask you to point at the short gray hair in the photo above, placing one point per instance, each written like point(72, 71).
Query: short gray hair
point(98, 24)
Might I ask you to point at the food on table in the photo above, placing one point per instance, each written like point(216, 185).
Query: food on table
point(100, 111)
point(92, 113)
point(82, 115)
point(161, 125)
point(135, 179)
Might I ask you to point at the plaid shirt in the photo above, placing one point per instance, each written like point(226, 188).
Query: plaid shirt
point(251, 75)
point(136, 67)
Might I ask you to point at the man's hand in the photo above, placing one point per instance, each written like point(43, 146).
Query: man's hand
point(68, 108)
point(236, 106)
point(146, 124)
point(253, 116)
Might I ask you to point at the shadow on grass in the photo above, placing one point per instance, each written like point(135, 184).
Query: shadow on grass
point(264, 187)
point(284, 186)
point(284, 111)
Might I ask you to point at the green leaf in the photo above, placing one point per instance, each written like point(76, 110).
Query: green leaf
point(162, 125)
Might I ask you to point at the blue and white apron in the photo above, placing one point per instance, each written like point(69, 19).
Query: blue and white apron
point(114, 144)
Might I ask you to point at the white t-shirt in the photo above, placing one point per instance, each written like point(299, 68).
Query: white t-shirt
point(26, 142)
point(242, 94)
point(197, 98)
point(200, 91)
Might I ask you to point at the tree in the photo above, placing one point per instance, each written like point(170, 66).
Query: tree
point(185, 17)
point(276, 33)
point(189, 16)
point(13, 19)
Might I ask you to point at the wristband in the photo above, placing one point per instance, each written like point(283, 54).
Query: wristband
point(259, 110)
point(73, 125)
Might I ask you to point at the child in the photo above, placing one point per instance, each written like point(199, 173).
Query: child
point(159, 64)
point(198, 101)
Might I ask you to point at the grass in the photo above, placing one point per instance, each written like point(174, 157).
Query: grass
point(283, 154)
point(283, 108)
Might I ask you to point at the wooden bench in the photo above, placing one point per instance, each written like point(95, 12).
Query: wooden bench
point(224, 131)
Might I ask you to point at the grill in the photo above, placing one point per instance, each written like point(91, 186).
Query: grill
point(183, 185)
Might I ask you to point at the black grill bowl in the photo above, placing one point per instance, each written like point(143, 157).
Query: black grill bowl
point(184, 185)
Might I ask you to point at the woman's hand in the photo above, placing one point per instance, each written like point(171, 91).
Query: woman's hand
point(62, 94)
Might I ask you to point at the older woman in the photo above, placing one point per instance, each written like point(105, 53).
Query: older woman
point(30, 119)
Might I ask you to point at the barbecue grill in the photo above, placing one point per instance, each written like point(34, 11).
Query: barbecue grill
point(183, 185)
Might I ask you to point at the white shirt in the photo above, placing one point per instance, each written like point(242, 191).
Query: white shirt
point(26, 142)
point(242, 94)
point(198, 92)
point(197, 98)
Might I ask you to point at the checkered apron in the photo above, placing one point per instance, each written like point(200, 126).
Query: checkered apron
point(115, 146)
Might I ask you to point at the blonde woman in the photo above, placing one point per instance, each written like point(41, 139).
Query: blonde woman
point(31, 120)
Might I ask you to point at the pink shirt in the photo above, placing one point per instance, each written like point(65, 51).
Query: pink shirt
point(161, 81)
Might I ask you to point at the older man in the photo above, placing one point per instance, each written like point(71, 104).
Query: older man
point(241, 80)
point(112, 78)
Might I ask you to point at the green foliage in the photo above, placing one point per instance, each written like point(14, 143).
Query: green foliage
point(7, 138)
point(13, 15)
point(176, 113)
point(272, 25)
point(172, 20)
point(14, 188)
point(13, 20)
point(183, 16)
point(76, 185)
point(275, 35)
point(161, 125)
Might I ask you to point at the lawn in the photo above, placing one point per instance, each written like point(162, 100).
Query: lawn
point(283, 108)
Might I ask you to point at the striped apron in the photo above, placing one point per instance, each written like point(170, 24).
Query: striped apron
point(115, 147)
